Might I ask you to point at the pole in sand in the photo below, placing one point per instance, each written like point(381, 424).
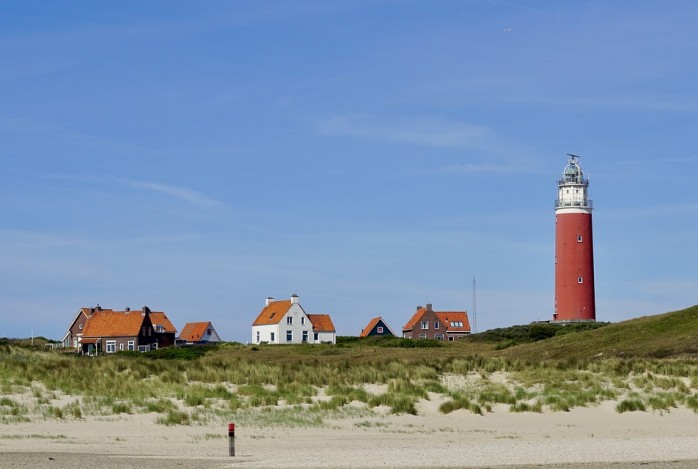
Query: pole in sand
point(231, 439)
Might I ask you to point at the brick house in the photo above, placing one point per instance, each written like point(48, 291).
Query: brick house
point(438, 325)
point(101, 330)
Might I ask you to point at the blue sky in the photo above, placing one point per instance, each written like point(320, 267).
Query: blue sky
point(370, 156)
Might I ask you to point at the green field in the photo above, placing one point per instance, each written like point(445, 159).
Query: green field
point(645, 364)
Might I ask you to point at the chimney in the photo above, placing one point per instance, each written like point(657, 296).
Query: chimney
point(98, 307)
point(128, 309)
point(419, 307)
point(428, 306)
point(269, 300)
point(145, 310)
point(294, 299)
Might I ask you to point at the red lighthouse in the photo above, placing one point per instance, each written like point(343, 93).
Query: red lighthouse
point(574, 248)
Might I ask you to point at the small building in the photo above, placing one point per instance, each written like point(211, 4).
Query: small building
point(438, 325)
point(286, 322)
point(198, 333)
point(323, 329)
point(377, 327)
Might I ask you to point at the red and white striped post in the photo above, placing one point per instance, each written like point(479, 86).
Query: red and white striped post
point(231, 439)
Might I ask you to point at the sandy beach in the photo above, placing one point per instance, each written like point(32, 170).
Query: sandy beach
point(582, 438)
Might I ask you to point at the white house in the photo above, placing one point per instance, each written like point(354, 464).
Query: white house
point(286, 322)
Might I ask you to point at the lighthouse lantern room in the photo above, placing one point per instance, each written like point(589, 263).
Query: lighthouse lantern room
point(574, 248)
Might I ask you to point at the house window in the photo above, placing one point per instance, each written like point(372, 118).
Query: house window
point(131, 345)
point(289, 336)
point(111, 346)
point(305, 337)
point(289, 320)
point(422, 335)
point(580, 279)
point(425, 324)
point(316, 336)
point(150, 331)
point(144, 348)
point(257, 337)
point(438, 337)
point(579, 238)
point(271, 338)
point(121, 347)
point(80, 326)
point(208, 331)
point(75, 342)
point(436, 324)
point(450, 338)
point(143, 330)
point(379, 329)
point(159, 328)
point(155, 345)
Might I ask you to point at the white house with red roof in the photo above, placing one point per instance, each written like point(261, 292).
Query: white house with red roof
point(426, 323)
point(197, 333)
point(286, 322)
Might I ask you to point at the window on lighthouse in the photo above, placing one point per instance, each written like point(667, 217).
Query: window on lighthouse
point(580, 279)
point(579, 238)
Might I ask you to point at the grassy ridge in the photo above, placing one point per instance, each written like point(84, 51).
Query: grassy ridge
point(643, 364)
point(666, 335)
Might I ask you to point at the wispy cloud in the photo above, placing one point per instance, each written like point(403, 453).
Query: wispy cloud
point(182, 193)
point(428, 131)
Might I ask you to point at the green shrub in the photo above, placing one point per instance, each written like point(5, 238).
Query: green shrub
point(630, 405)
point(174, 417)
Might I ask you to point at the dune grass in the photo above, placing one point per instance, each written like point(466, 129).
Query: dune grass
point(307, 385)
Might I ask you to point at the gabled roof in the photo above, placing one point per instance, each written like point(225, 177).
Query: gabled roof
point(321, 322)
point(273, 313)
point(413, 320)
point(372, 324)
point(447, 317)
point(194, 331)
point(158, 317)
point(107, 323)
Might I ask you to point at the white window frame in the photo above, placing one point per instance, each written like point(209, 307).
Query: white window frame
point(110, 346)
point(436, 324)
point(289, 320)
point(131, 345)
point(580, 280)
point(305, 337)
point(379, 329)
point(258, 336)
point(121, 346)
point(422, 335)
point(302, 320)
point(425, 325)
point(289, 335)
point(580, 238)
